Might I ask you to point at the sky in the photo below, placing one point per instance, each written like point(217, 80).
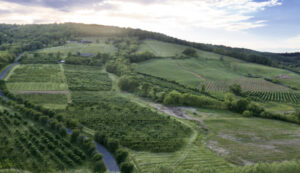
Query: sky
point(264, 25)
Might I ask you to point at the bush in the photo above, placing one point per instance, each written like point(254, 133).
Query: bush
point(113, 145)
point(247, 113)
point(126, 167)
point(190, 52)
point(236, 89)
point(121, 156)
point(74, 135)
point(97, 157)
point(173, 98)
point(99, 167)
point(128, 83)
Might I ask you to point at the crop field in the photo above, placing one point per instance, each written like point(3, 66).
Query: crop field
point(37, 77)
point(194, 155)
point(285, 97)
point(136, 127)
point(250, 84)
point(87, 78)
point(168, 69)
point(218, 75)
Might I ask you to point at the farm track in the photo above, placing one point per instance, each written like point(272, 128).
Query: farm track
point(191, 72)
point(69, 97)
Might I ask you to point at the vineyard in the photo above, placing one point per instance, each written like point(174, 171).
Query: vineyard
point(284, 97)
point(87, 78)
point(259, 85)
point(136, 127)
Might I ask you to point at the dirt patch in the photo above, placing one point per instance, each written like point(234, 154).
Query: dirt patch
point(213, 145)
point(41, 92)
point(284, 77)
point(178, 112)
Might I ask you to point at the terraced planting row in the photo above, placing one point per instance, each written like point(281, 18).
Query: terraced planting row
point(290, 97)
point(247, 84)
point(194, 157)
point(37, 77)
point(87, 78)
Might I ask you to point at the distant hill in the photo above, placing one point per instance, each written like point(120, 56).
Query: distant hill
point(31, 37)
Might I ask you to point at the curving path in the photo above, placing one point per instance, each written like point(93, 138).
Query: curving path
point(109, 160)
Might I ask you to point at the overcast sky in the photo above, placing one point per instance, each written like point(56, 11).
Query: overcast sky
point(266, 25)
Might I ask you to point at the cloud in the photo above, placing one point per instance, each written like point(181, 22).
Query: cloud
point(64, 5)
point(210, 21)
point(227, 14)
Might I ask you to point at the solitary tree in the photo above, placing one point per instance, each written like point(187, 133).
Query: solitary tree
point(190, 52)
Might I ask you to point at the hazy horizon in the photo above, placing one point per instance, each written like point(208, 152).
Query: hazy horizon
point(264, 25)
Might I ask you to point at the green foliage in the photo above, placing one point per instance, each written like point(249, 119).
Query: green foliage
point(121, 155)
point(173, 98)
point(135, 127)
point(190, 52)
point(87, 79)
point(128, 83)
point(187, 99)
point(119, 66)
point(74, 135)
point(98, 60)
point(97, 157)
point(99, 167)
point(140, 57)
point(41, 58)
point(236, 89)
point(126, 167)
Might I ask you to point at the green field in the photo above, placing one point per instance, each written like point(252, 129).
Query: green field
point(216, 75)
point(52, 101)
point(251, 140)
point(93, 48)
point(37, 77)
point(87, 78)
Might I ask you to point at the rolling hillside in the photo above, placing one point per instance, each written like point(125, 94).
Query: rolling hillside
point(152, 105)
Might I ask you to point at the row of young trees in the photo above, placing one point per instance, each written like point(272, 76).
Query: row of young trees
point(56, 123)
